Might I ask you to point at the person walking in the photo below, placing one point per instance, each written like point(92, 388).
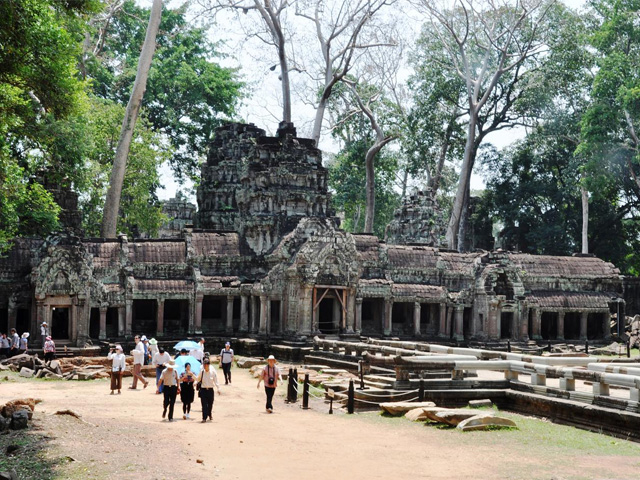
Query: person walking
point(270, 375)
point(15, 343)
point(145, 344)
point(187, 392)
point(5, 345)
point(226, 360)
point(118, 364)
point(169, 379)
point(24, 342)
point(138, 360)
point(44, 332)
point(160, 359)
point(198, 353)
point(153, 349)
point(207, 379)
point(49, 349)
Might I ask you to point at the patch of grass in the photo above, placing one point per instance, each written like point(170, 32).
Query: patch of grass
point(30, 460)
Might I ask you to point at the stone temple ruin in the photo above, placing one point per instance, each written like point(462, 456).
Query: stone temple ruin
point(267, 259)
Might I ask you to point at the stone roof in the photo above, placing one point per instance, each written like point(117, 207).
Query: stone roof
point(105, 254)
point(368, 246)
point(572, 300)
point(157, 252)
point(548, 266)
point(422, 291)
point(216, 244)
point(412, 257)
point(165, 286)
point(18, 259)
point(454, 262)
point(220, 282)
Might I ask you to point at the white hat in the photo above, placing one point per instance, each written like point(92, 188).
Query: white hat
point(44, 323)
point(143, 338)
point(271, 357)
point(25, 335)
point(171, 364)
point(119, 347)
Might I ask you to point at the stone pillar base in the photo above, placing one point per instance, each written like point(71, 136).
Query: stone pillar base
point(568, 384)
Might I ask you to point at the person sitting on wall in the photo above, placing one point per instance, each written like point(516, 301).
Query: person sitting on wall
point(49, 350)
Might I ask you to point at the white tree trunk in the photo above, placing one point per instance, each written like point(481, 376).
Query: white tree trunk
point(585, 217)
point(463, 184)
point(112, 202)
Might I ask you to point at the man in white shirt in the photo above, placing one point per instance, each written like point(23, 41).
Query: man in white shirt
point(118, 364)
point(15, 343)
point(138, 360)
point(160, 360)
point(226, 360)
point(207, 379)
point(198, 353)
point(44, 332)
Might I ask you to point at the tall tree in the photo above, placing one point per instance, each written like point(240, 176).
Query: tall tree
point(112, 202)
point(490, 45)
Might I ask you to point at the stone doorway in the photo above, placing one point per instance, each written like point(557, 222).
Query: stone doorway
point(325, 317)
point(213, 314)
point(572, 325)
point(275, 316)
point(506, 320)
point(402, 318)
point(549, 325)
point(144, 317)
point(60, 319)
point(94, 323)
point(4, 320)
point(23, 322)
point(372, 313)
point(594, 326)
point(176, 316)
point(329, 308)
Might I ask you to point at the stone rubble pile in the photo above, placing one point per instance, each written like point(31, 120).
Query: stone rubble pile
point(465, 419)
point(15, 415)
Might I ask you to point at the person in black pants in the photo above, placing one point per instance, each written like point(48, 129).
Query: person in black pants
point(226, 360)
point(169, 378)
point(207, 379)
point(270, 376)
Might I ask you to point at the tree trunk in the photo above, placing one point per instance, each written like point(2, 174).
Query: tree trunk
point(437, 176)
point(317, 123)
point(112, 202)
point(464, 222)
point(370, 189)
point(585, 217)
point(463, 184)
point(286, 87)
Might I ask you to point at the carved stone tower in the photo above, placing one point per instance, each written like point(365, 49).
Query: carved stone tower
point(260, 186)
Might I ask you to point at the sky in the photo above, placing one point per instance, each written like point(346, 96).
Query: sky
point(262, 105)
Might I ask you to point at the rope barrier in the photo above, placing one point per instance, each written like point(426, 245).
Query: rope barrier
point(378, 403)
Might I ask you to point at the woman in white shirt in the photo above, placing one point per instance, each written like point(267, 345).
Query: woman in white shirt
point(118, 364)
point(171, 387)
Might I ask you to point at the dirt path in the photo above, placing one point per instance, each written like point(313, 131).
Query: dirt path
point(127, 439)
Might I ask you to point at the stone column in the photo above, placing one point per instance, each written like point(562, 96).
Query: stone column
point(606, 325)
point(524, 325)
point(128, 309)
point(198, 313)
point(584, 316)
point(560, 334)
point(388, 316)
point(459, 323)
point(122, 315)
point(268, 316)
point(357, 326)
point(160, 317)
point(416, 318)
point(103, 323)
point(229, 326)
point(493, 320)
point(351, 312)
point(263, 315)
point(192, 313)
point(442, 327)
point(255, 314)
point(536, 324)
point(337, 314)
point(304, 308)
point(244, 314)
point(12, 318)
point(448, 322)
point(40, 316)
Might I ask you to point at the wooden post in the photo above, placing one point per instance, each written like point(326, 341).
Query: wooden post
point(416, 318)
point(421, 391)
point(305, 392)
point(295, 385)
point(160, 318)
point(351, 398)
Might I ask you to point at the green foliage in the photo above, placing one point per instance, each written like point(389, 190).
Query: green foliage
point(187, 94)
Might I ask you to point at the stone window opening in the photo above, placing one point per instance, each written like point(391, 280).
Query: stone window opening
point(503, 286)
point(275, 319)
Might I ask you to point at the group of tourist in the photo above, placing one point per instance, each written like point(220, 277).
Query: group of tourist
point(13, 344)
point(170, 383)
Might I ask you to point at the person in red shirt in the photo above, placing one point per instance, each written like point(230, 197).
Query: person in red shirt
point(270, 376)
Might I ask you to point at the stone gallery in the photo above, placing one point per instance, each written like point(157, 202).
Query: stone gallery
point(264, 256)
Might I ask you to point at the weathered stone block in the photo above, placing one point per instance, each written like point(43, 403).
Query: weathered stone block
point(485, 423)
point(480, 403)
point(26, 372)
point(400, 408)
point(19, 420)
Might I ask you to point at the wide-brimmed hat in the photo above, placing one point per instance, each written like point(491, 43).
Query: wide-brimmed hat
point(271, 357)
point(25, 335)
point(171, 364)
point(227, 344)
point(143, 338)
point(119, 347)
point(153, 341)
point(48, 338)
point(44, 323)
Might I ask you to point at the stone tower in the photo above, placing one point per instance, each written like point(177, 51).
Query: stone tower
point(261, 186)
point(418, 220)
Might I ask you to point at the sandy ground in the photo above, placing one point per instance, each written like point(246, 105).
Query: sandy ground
point(126, 438)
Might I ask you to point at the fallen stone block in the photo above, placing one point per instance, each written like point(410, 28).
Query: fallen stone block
point(26, 372)
point(12, 475)
point(400, 408)
point(484, 422)
point(421, 414)
point(53, 375)
point(9, 408)
point(480, 403)
point(19, 420)
point(249, 362)
point(5, 424)
point(454, 416)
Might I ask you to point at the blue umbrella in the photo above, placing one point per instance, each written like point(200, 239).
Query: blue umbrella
point(182, 359)
point(186, 344)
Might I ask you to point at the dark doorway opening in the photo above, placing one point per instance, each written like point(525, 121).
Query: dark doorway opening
point(236, 314)
point(595, 323)
point(549, 325)
point(94, 323)
point(144, 319)
point(176, 316)
point(503, 287)
point(325, 316)
point(213, 315)
point(425, 318)
point(23, 321)
point(275, 317)
point(530, 323)
point(4, 320)
point(572, 326)
point(466, 322)
point(402, 318)
point(60, 323)
point(112, 322)
point(372, 309)
point(506, 320)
